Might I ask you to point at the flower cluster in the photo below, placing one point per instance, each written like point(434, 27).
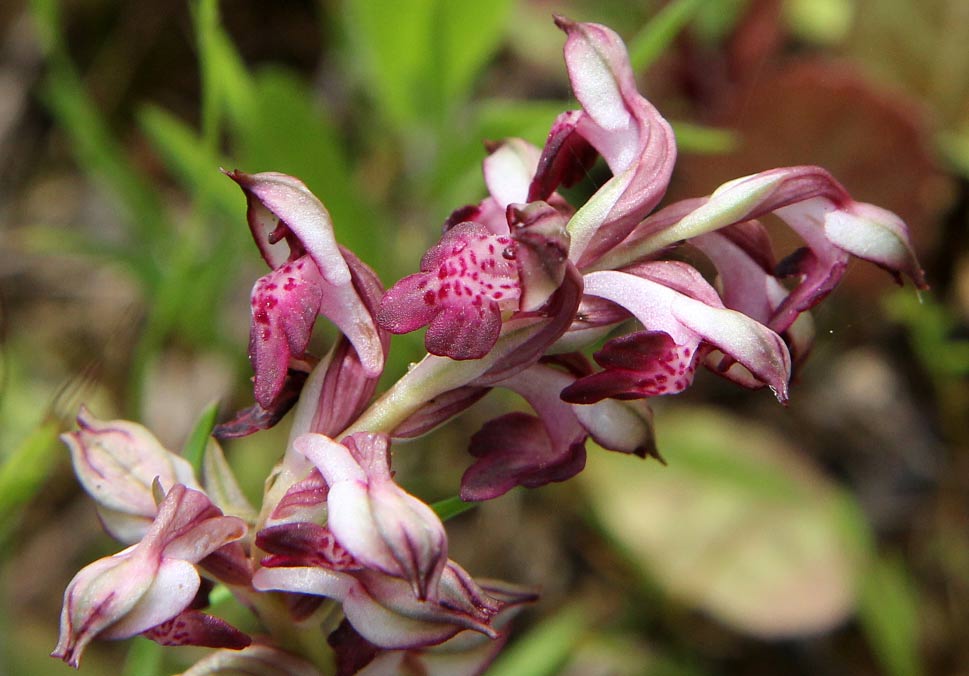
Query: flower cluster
point(517, 287)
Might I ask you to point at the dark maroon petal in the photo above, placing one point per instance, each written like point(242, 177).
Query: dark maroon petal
point(192, 627)
point(515, 450)
point(439, 410)
point(256, 418)
point(353, 652)
point(566, 158)
point(643, 364)
point(311, 493)
point(229, 564)
point(285, 304)
point(303, 544)
point(302, 606)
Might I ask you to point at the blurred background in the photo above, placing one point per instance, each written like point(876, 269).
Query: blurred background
point(828, 537)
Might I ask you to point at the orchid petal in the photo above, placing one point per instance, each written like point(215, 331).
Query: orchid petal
point(117, 462)
point(688, 320)
point(635, 140)
point(282, 207)
point(304, 580)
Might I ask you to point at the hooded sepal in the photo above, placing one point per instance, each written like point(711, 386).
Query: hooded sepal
point(117, 461)
point(630, 134)
point(381, 525)
point(311, 270)
point(150, 582)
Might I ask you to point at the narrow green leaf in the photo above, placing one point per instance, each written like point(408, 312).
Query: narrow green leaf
point(389, 40)
point(189, 160)
point(468, 35)
point(451, 507)
point(101, 156)
point(546, 648)
point(889, 616)
point(23, 471)
point(194, 449)
point(284, 130)
point(206, 17)
point(656, 36)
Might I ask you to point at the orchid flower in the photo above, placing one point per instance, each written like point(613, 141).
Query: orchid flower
point(314, 277)
point(518, 285)
point(149, 587)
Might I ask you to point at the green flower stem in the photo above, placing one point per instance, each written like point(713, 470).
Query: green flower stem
point(306, 640)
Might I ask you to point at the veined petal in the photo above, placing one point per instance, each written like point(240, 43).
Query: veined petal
point(813, 204)
point(304, 580)
point(687, 320)
point(172, 589)
point(192, 627)
point(635, 140)
point(117, 461)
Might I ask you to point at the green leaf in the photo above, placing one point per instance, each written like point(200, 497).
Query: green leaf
point(198, 438)
point(545, 649)
point(390, 41)
point(889, 616)
point(101, 156)
point(451, 507)
point(700, 140)
point(281, 129)
point(187, 158)
point(656, 36)
point(737, 520)
point(466, 35)
point(23, 471)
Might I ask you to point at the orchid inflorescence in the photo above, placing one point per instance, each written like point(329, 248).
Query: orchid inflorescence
point(339, 555)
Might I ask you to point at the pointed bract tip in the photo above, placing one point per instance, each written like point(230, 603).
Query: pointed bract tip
point(563, 22)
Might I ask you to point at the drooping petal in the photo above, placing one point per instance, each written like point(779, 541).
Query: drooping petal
point(688, 320)
point(515, 450)
point(465, 282)
point(635, 140)
point(818, 208)
point(285, 304)
point(281, 208)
